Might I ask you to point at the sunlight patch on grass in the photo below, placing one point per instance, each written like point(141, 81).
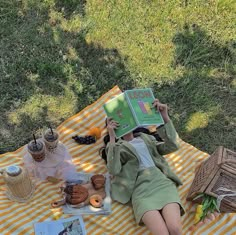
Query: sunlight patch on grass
point(33, 77)
point(56, 36)
point(48, 106)
point(40, 5)
point(73, 84)
point(233, 83)
point(71, 53)
point(202, 119)
point(198, 120)
point(55, 17)
point(73, 24)
point(216, 73)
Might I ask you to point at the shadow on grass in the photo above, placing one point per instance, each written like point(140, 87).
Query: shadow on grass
point(20, 135)
point(69, 7)
point(207, 86)
point(40, 59)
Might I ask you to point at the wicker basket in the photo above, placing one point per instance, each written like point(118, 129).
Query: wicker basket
point(217, 176)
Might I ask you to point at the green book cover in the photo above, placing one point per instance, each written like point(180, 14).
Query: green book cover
point(140, 101)
point(131, 109)
point(118, 109)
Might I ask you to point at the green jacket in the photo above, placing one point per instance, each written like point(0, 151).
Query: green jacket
point(123, 164)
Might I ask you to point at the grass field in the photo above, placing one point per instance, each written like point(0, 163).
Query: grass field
point(58, 56)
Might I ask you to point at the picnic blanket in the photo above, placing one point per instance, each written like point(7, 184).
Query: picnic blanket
point(19, 218)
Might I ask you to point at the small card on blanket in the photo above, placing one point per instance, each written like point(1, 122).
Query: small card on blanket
point(73, 226)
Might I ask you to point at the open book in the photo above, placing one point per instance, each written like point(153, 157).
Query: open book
point(131, 109)
point(70, 226)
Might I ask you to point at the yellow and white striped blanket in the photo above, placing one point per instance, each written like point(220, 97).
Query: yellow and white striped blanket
point(19, 218)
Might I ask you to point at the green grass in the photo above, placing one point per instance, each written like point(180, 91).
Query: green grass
point(58, 56)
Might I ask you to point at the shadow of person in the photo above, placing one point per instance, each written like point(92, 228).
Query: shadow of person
point(99, 70)
point(202, 100)
point(195, 49)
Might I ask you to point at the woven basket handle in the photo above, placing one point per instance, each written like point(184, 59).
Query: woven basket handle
point(228, 161)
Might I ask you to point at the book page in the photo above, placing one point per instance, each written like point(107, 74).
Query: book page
point(118, 108)
point(141, 102)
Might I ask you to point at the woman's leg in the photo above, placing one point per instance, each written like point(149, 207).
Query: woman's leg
point(155, 223)
point(171, 215)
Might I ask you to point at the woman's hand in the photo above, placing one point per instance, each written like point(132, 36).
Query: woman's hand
point(163, 109)
point(111, 126)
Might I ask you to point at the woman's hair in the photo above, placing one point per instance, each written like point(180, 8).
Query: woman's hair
point(106, 140)
point(102, 151)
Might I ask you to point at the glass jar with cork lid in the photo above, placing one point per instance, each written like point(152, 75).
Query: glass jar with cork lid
point(20, 188)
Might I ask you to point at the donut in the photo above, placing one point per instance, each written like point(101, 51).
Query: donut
point(96, 200)
point(98, 181)
point(76, 194)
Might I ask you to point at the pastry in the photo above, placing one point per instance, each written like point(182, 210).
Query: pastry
point(76, 194)
point(98, 181)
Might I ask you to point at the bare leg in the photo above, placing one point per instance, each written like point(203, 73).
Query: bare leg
point(155, 223)
point(171, 215)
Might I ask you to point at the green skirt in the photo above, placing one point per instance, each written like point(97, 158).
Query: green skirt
point(152, 191)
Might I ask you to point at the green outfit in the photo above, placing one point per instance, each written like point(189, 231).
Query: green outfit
point(148, 189)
